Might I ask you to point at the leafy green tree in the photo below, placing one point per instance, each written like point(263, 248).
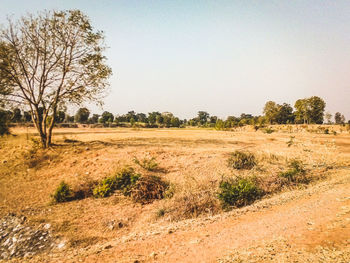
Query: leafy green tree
point(107, 117)
point(82, 115)
point(316, 109)
point(131, 115)
point(94, 119)
point(271, 111)
point(141, 117)
point(49, 60)
point(175, 122)
point(203, 117)
point(310, 110)
point(284, 114)
point(152, 117)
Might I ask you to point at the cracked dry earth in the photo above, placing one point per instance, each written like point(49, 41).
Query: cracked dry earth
point(308, 225)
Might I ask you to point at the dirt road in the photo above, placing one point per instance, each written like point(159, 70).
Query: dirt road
point(306, 225)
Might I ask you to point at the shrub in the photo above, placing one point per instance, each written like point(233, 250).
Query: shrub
point(296, 172)
point(63, 193)
point(238, 192)
point(195, 202)
point(148, 188)
point(105, 188)
point(149, 164)
point(122, 181)
point(241, 160)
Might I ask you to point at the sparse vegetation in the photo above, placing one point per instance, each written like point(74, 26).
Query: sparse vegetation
point(295, 173)
point(241, 160)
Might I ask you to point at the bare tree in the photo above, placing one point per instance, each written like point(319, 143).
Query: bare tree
point(50, 60)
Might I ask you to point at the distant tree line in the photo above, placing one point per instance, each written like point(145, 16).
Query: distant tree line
point(305, 111)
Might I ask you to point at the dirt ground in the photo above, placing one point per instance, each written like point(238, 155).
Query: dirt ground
point(303, 224)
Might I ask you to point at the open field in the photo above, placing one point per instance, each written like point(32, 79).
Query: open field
point(190, 225)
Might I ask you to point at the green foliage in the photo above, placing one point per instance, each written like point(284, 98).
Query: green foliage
point(105, 188)
point(310, 110)
point(238, 192)
point(295, 173)
point(82, 115)
point(241, 160)
point(63, 193)
point(123, 181)
point(149, 164)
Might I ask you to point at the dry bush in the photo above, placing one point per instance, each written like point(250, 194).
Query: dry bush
point(194, 199)
point(241, 160)
point(148, 188)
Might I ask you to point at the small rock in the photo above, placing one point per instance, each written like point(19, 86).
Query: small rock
point(47, 226)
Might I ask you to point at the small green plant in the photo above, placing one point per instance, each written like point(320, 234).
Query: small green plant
point(241, 160)
point(63, 193)
point(295, 173)
point(326, 131)
point(148, 164)
point(238, 192)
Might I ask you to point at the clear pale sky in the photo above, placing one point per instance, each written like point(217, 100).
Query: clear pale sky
point(224, 57)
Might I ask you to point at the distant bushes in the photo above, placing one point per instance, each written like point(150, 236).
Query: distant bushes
point(241, 160)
